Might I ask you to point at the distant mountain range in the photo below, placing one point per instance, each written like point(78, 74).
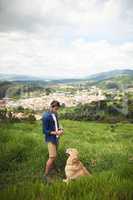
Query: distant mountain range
point(92, 78)
point(15, 77)
point(110, 74)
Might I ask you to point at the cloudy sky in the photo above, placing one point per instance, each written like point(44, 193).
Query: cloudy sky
point(65, 38)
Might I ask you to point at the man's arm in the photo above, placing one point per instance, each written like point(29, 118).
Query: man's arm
point(47, 126)
point(46, 121)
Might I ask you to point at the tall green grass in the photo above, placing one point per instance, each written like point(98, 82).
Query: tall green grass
point(104, 149)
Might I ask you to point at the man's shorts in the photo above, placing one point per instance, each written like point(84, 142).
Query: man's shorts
point(52, 150)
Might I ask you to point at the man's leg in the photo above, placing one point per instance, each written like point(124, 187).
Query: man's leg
point(49, 165)
point(52, 149)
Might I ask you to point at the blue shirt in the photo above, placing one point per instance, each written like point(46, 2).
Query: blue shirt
point(48, 126)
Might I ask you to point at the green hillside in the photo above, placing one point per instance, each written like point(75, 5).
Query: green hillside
point(116, 82)
point(110, 74)
point(19, 86)
point(16, 89)
point(105, 149)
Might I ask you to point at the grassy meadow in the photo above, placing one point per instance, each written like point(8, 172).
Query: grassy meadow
point(105, 149)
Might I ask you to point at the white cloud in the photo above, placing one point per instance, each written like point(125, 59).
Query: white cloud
point(22, 53)
point(65, 38)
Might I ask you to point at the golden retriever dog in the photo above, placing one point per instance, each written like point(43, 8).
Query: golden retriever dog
point(74, 168)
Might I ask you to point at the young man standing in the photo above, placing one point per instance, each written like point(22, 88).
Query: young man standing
point(52, 133)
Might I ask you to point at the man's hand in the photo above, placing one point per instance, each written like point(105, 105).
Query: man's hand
point(60, 132)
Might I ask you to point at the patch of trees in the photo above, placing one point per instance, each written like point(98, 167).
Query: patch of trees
point(18, 89)
point(102, 111)
point(4, 86)
point(112, 85)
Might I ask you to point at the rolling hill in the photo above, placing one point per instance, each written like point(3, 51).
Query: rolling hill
point(110, 74)
point(95, 77)
point(106, 80)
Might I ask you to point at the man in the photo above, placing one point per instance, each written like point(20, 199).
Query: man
point(52, 133)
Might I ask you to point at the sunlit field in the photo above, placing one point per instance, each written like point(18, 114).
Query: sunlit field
point(105, 149)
